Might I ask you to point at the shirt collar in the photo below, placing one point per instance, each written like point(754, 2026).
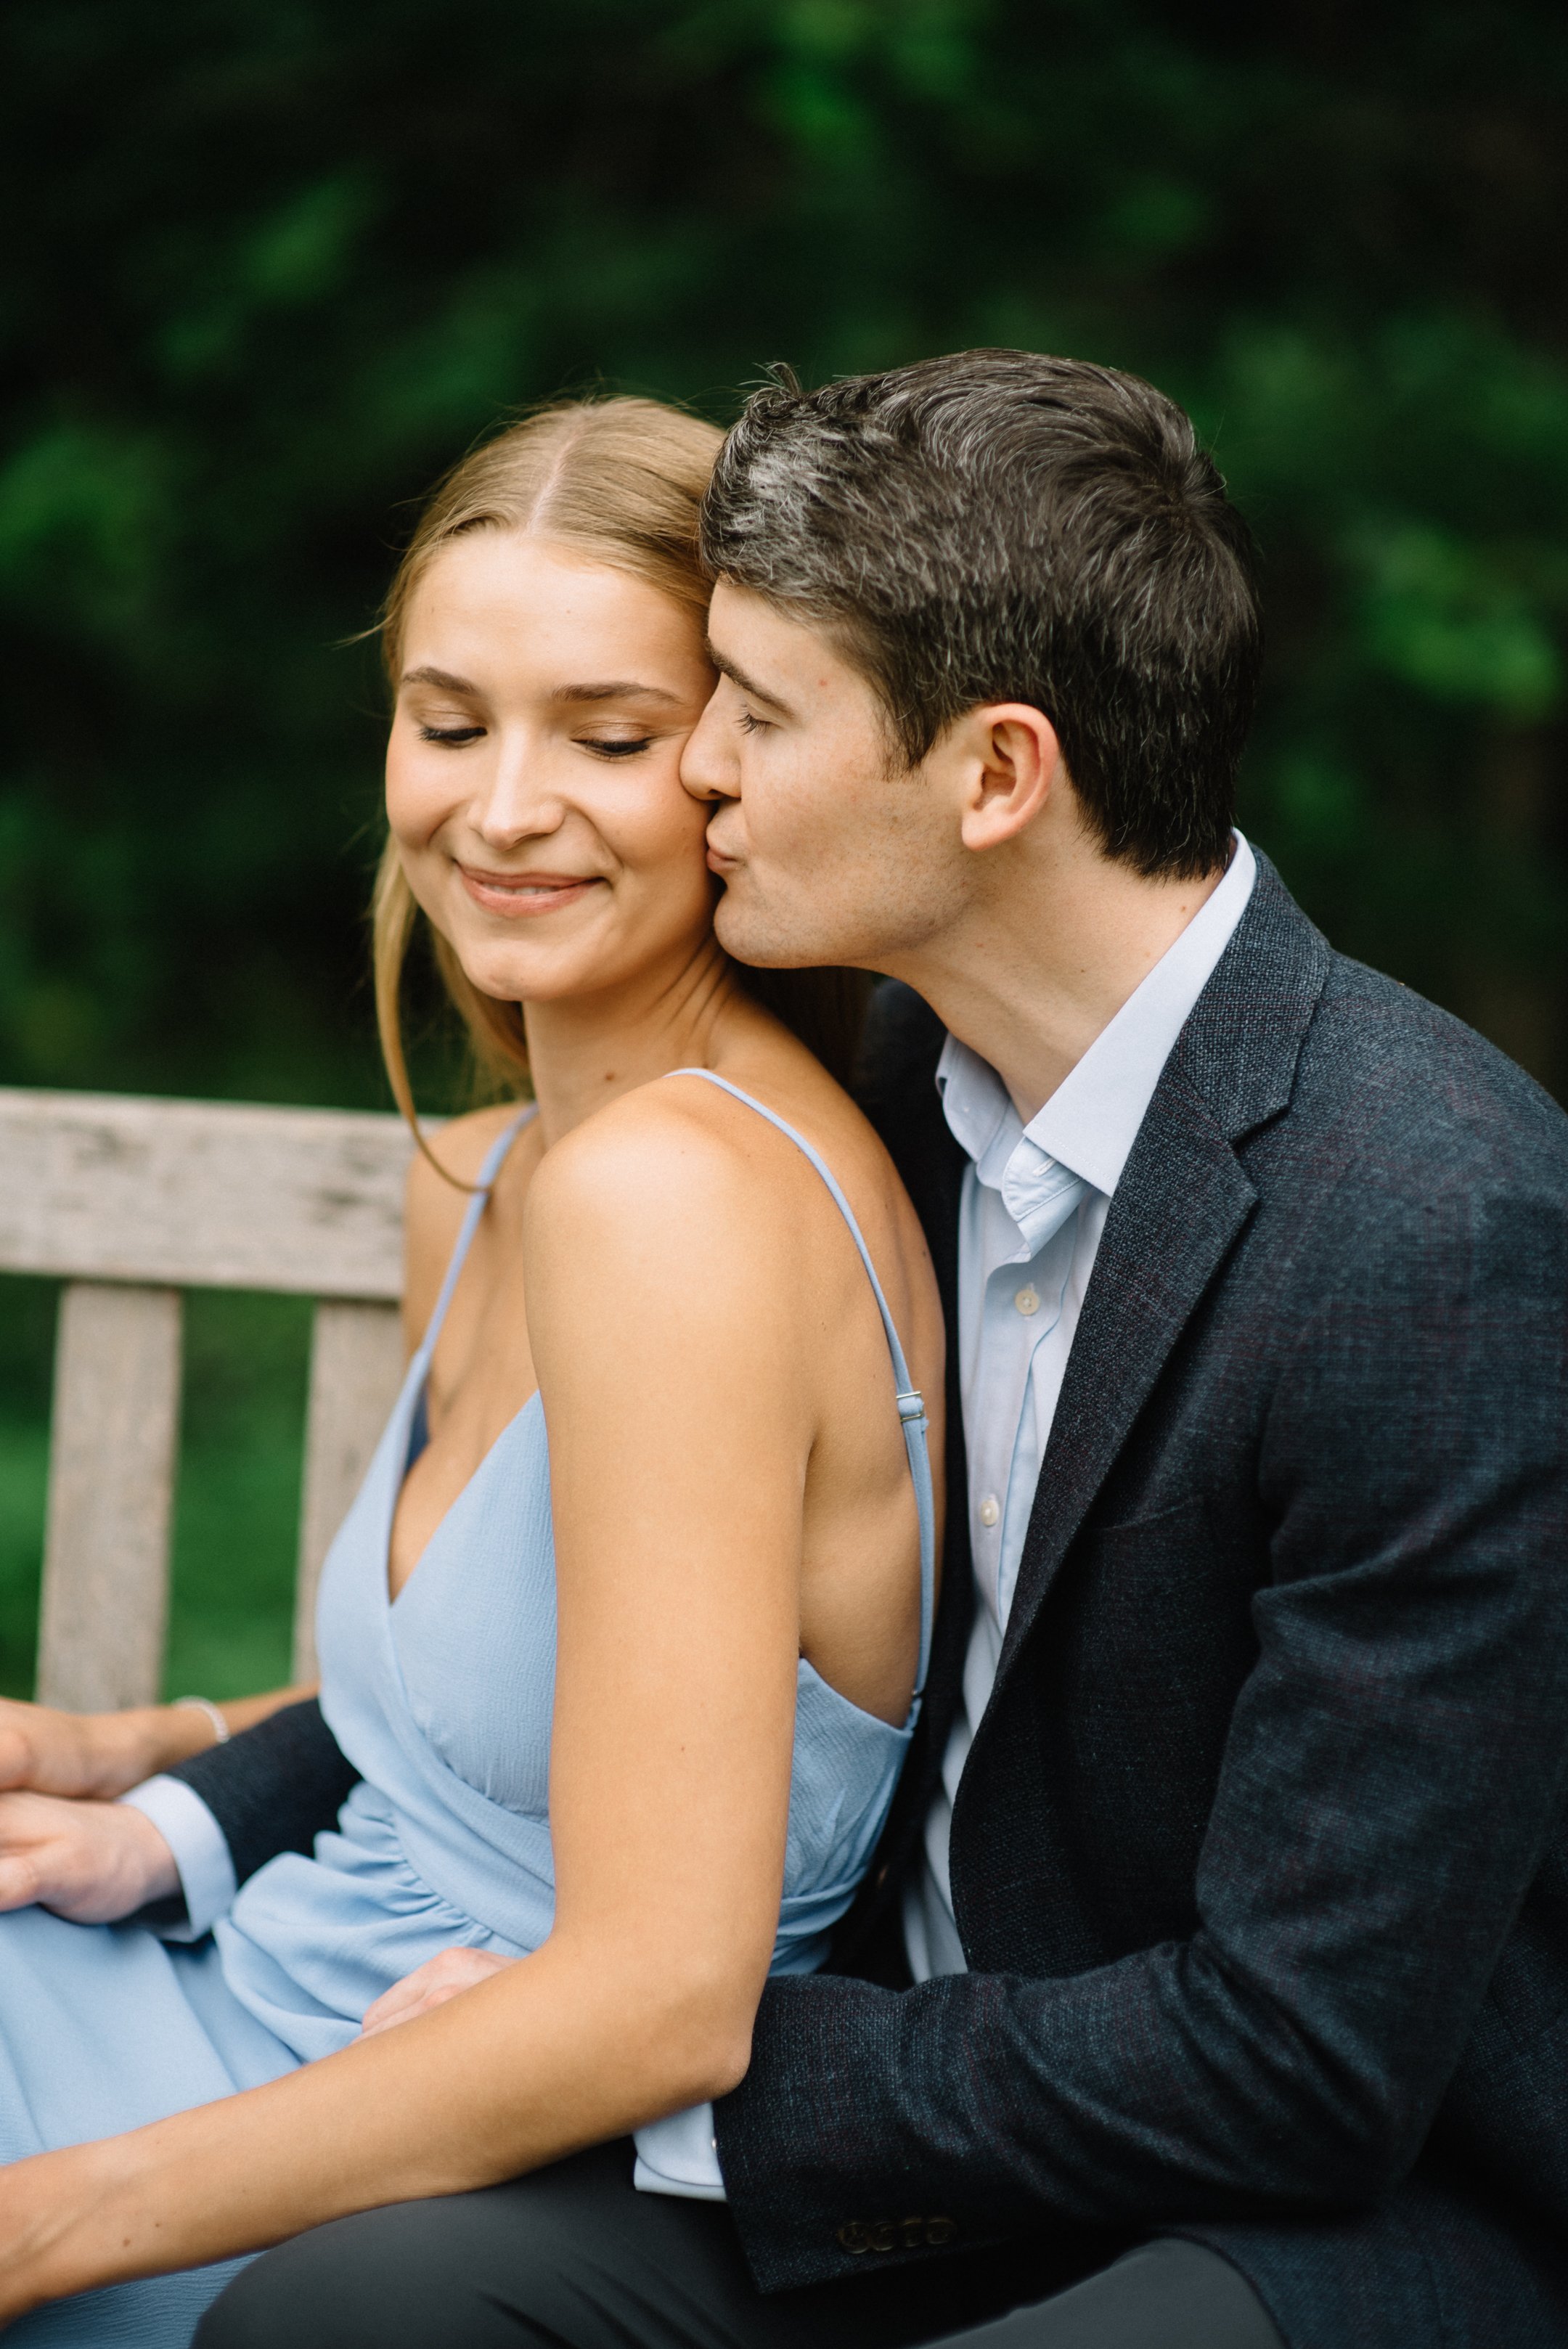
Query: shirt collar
point(1092, 1120)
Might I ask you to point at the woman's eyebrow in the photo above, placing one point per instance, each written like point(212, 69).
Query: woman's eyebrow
point(618, 689)
point(442, 678)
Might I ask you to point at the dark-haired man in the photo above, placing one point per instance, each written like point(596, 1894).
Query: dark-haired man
point(1211, 1985)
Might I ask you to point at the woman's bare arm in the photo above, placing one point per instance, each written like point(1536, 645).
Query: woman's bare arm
point(667, 1332)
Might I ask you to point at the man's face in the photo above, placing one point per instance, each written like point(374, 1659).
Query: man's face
point(830, 850)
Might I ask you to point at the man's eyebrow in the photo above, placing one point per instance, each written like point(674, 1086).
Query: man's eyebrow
point(737, 676)
point(620, 688)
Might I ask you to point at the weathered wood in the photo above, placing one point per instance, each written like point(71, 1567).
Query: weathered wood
point(356, 1369)
point(105, 1598)
point(103, 1186)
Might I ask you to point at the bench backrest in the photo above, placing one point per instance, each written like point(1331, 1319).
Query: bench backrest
point(130, 1201)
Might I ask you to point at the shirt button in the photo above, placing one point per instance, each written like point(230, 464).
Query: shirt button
point(1027, 1300)
point(989, 1511)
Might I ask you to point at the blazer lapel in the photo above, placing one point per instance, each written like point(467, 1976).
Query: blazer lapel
point(1181, 1202)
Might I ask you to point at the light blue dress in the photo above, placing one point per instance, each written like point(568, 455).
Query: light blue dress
point(442, 1699)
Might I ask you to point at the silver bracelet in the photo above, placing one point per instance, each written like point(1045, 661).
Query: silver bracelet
point(205, 1704)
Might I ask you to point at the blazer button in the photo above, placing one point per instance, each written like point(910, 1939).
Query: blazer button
point(885, 2236)
point(940, 2232)
point(855, 2236)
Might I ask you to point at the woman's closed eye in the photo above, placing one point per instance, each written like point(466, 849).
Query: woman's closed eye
point(614, 746)
point(749, 723)
point(452, 736)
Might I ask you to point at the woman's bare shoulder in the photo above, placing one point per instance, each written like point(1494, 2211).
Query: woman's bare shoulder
point(682, 1163)
point(657, 1156)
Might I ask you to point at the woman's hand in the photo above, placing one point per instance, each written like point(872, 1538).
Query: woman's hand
point(96, 1755)
point(91, 1862)
point(431, 1985)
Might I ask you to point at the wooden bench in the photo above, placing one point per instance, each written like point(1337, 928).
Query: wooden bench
point(130, 1202)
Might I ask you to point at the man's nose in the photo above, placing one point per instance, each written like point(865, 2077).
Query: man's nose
point(708, 769)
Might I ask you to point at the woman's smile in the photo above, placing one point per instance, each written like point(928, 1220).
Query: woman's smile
point(517, 895)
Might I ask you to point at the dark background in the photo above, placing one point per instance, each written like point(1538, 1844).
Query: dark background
point(269, 268)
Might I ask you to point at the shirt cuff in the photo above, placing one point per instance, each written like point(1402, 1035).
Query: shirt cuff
point(680, 2156)
point(201, 1853)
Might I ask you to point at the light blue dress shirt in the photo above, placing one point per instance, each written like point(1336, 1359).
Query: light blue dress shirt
point(1033, 1208)
point(201, 1854)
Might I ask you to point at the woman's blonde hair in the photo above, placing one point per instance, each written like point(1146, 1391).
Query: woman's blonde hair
point(622, 481)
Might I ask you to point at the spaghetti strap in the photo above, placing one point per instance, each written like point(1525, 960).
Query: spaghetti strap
point(910, 1403)
point(482, 1190)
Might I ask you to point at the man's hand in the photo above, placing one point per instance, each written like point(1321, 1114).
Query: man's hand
point(92, 1862)
point(431, 1985)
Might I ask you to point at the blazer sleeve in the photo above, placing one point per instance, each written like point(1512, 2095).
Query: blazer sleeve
point(1395, 1771)
point(273, 1788)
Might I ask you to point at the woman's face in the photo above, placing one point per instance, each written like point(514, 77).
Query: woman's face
point(533, 773)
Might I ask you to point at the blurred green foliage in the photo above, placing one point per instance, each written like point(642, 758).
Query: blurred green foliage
point(272, 267)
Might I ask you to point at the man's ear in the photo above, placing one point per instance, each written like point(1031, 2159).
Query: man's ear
point(1005, 761)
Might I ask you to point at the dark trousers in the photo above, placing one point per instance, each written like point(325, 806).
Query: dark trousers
point(574, 2258)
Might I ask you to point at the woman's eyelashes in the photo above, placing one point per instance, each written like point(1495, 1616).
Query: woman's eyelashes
point(749, 723)
point(455, 736)
point(609, 747)
point(452, 736)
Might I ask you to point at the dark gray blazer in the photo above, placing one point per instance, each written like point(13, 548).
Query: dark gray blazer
point(1258, 1857)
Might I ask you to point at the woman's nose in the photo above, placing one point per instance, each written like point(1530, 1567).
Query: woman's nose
point(519, 802)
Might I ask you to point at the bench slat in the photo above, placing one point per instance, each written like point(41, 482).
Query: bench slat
point(108, 1186)
point(105, 1598)
point(356, 1369)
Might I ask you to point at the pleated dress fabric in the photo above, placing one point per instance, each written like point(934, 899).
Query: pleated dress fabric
point(443, 1701)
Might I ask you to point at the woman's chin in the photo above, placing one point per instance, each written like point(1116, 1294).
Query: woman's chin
point(530, 960)
point(516, 979)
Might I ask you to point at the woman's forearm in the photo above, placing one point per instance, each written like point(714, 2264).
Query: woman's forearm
point(245, 1712)
point(564, 2049)
point(138, 1743)
point(93, 1756)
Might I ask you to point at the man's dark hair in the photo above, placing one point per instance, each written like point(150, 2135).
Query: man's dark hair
point(1000, 526)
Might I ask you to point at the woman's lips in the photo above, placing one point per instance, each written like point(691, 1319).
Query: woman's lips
point(521, 894)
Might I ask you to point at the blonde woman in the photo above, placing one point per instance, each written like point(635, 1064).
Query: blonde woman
point(626, 1632)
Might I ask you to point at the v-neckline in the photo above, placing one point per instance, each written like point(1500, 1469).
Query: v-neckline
point(394, 1598)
